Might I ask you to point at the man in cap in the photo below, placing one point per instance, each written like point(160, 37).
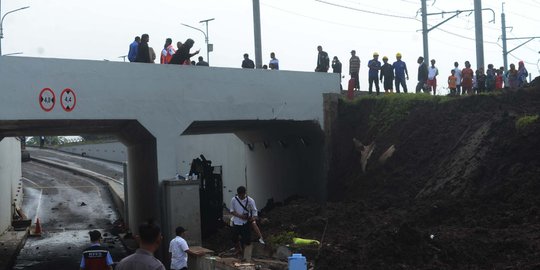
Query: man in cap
point(179, 250)
point(400, 69)
point(96, 257)
point(354, 68)
point(374, 66)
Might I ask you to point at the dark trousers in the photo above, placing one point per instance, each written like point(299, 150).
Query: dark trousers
point(376, 81)
point(243, 232)
point(401, 81)
point(421, 86)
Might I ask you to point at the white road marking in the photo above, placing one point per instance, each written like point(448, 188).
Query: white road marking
point(39, 205)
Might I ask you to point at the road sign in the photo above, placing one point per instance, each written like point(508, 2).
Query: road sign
point(47, 99)
point(68, 100)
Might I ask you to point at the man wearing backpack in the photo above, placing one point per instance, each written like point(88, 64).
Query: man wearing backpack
point(244, 213)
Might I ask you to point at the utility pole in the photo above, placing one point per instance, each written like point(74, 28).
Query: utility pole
point(209, 47)
point(425, 31)
point(479, 34)
point(257, 33)
point(504, 39)
point(503, 25)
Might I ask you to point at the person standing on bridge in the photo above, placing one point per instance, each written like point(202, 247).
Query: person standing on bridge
point(182, 55)
point(400, 70)
point(149, 239)
point(247, 63)
point(96, 257)
point(132, 54)
point(201, 62)
point(323, 61)
point(387, 72)
point(374, 66)
point(422, 75)
point(336, 68)
point(143, 52)
point(167, 52)
point(354, 69)
point(274, 62)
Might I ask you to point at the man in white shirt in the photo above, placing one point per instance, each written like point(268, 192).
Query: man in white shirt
point(179, 250)
point(458, 78)
point(244, 212)
point(432, 77)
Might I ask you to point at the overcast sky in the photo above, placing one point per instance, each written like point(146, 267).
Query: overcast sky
point(103, 29)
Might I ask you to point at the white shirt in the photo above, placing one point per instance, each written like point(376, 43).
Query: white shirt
point(432, 72)
point(178, 247)
point(457, 73)
point(249, 203)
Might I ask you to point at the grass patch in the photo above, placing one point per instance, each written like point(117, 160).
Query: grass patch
point(523, 122)
point(392, 108)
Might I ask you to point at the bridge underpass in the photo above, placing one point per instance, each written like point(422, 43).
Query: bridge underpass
point(149, 106)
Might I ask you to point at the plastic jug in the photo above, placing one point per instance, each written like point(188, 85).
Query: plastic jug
point(297, 262)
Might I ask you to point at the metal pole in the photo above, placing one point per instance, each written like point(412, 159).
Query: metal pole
point(425, 31)
point(126, 192)
point(505, 52)
point(207, 37)
point(257, 33)
point(479, 34)
point(207, 48)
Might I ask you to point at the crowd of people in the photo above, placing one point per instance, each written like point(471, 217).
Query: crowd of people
point(140, 52)
point(392, 76)
point(460, 81)
point(244, 216)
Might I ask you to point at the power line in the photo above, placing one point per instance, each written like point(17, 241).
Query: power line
point(332, 22)
point(367, 11)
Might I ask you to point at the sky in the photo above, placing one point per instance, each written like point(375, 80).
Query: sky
point(103, 29)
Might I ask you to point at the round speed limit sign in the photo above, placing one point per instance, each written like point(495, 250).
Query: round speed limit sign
point(68, 100)
point(46, 99)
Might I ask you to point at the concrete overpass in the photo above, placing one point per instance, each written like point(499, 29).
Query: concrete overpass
point(264, 127)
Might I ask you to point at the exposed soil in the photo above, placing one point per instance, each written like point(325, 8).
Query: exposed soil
point(462, 190)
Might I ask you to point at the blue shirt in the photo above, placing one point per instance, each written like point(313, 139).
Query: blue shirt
point(374, 66)
point(132, 54)
point(400, 67)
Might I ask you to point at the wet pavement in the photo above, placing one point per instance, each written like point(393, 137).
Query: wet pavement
point(68, 206)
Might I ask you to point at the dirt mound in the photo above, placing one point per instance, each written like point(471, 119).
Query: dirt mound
point(460, 191)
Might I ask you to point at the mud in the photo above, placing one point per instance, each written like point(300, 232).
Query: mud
point(460, 191)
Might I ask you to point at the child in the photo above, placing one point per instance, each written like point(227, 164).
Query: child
point(499, 80)
point(452, 83)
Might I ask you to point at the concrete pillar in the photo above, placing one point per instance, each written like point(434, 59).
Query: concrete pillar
point(143, 186)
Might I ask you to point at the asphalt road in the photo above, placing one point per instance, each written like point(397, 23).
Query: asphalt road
point(68, 207)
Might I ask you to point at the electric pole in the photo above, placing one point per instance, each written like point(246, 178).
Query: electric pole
point(257, 33)
point(479, 34)
point(503, 25)
point(425, 31)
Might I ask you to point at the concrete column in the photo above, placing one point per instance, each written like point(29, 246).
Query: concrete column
point(143, 186)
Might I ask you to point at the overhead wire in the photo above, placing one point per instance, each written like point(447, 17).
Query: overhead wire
point(367, 11)
point(332, 22)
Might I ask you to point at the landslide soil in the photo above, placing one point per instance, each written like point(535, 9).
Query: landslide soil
point(461, 191)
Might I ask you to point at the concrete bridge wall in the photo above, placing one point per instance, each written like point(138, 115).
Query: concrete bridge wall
point(149, 106)
point(10, 175)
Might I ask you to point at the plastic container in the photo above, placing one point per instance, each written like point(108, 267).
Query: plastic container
point(297, 262)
